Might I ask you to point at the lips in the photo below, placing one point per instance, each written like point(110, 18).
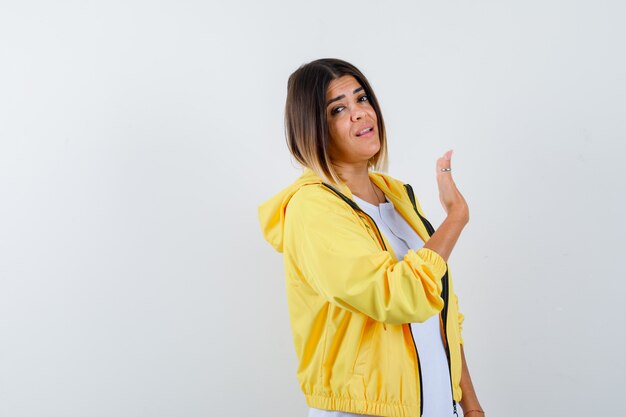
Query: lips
point(364, 130)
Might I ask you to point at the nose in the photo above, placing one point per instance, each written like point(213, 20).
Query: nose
point(357, 115)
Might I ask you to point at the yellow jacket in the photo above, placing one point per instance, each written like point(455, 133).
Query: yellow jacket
point(350, 299)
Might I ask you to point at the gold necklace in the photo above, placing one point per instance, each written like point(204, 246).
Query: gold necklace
point(376, 194)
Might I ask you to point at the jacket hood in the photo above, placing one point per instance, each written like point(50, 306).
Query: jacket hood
point(272, 212)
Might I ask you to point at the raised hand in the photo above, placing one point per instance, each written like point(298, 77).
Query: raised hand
point(447, 234)
point(451, 199)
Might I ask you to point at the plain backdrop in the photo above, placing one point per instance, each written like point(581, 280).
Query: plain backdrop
point(137, 139)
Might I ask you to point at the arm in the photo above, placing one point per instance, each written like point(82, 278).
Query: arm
point(336, 255)
point(446, 236)
point(469, 403)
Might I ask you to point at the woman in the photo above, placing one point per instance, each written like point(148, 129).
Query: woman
point(373, 312)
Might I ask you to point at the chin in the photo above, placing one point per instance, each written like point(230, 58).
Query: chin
point(375, 149)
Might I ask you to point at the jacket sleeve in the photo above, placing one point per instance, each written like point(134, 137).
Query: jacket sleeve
point(341, 261)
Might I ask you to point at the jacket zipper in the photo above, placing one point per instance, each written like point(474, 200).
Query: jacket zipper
point(445, 292)
point(380, 237)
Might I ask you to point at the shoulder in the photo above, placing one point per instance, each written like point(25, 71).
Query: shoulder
point(315, 199)
point(318, 209)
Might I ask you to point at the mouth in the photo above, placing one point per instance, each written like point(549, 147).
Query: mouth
point(365, 132)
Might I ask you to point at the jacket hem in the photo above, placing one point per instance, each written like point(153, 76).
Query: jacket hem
point(351, 405)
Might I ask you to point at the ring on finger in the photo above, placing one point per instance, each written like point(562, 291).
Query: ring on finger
point(446, 169)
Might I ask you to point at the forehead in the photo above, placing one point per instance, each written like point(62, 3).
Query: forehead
point(343, 85)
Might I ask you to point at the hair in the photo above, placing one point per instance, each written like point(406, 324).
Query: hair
point(306, 123)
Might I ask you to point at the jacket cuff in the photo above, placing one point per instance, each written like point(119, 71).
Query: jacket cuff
point(437, 265)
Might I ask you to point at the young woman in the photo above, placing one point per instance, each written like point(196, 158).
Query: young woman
point(373, 312)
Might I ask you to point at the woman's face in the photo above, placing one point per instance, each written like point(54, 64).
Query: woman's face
point(352, 122)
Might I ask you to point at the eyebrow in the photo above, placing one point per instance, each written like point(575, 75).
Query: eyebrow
point(332, 100)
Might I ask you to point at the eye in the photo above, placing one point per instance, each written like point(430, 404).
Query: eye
point(364, 98)
point(337, 110)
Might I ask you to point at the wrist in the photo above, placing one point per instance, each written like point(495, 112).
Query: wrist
point(473, 407)
point(458, 218)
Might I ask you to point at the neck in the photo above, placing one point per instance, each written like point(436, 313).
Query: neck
point(356, 177)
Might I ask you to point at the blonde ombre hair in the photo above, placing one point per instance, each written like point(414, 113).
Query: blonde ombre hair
point(306, 124)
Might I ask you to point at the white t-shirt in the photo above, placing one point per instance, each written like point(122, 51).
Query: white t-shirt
point(436, 386)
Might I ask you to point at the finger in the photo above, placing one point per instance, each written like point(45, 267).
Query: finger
point(444, 163)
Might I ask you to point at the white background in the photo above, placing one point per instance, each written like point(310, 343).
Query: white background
point(138, 138)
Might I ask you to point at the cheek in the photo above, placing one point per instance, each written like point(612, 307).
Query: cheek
point(333, 140)
point(336, 131)
point(372, 114)
point(343, 128)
